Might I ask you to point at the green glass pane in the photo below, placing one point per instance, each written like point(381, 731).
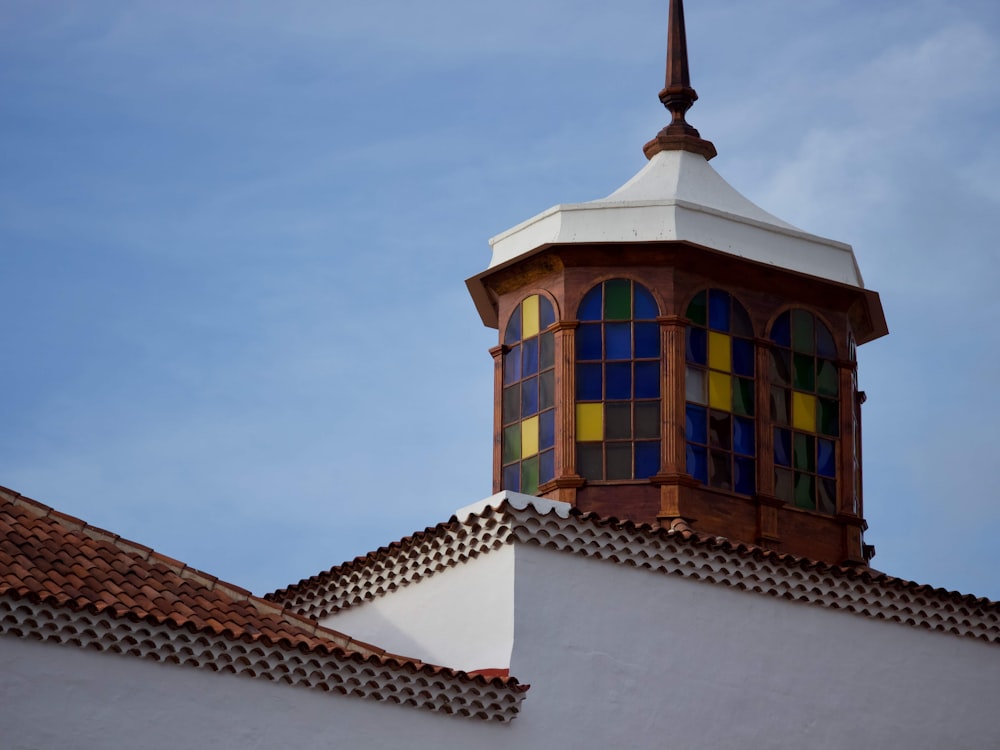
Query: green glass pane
point(647, 419)
point(803, 339)
point(511, 404)
point(697, 311)
point(619, 460)
point(512, 443)
point(546, 351)
point(826, 377)
point(546, 390)
point(805, 452)
point(743, 396)
point(804, 374)
point(529, 475)
point(827, 417)
point(781, 367)
point(590, 460)
point(617, 299)
point(618, 421)
point(741, 321)
point(780, 407)
point(784, 485)
point(805, 494)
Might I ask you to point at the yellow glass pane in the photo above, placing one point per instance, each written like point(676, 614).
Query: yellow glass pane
point(720, 352)
point(529, 437)
point(529, 316)
point(803, 411)
point(720, 391)
point(589, 422)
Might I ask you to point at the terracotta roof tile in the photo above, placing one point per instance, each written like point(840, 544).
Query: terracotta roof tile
point(48, 557)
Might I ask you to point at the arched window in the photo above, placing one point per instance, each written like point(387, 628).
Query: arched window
point(528, 405)
point(719, 384)
point(805, 411)
point(618, 382)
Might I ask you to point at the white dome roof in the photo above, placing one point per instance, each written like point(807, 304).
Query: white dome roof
point(679, 196)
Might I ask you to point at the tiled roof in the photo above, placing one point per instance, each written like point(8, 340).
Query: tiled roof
point(65, 581)
point(509, 517)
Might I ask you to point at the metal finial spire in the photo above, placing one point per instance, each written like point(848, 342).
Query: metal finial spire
point(677, 95)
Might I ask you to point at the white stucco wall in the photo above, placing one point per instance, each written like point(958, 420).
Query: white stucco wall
point(461, 617)
point(617, 657)
point(660, 661)
point(65, 698)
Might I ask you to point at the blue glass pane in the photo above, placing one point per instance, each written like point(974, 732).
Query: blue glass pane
point(647, 459)
point(718, 310)
point(824, 342)
point(529, 357)
point(588, 342)
point(647, 340)
point(695, 429)
point(783, 447)
point(589, 383)
point(697, 346)
point(826, 458)
point(644, 304)
point(546, 466)
point(618, 340)
point(647, 379)
point(547, 429)
point(546, 315)
point(512, 365)
point(697, 463)
point(529, 397)
point(513, 333)
point(618, 377)
point(743, 357)
point(745, 480)
point(743, 436)
point(512, 478)
point(590, 307)
point(781, 332)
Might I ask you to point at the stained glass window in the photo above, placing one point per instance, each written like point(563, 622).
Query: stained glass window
point(805, 411)
point(528, 401)
point(618, 382)
point(719, 383)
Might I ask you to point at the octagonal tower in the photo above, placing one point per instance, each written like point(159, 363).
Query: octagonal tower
point(673, 354)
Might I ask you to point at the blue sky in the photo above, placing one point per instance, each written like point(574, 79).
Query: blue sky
point(233, 240)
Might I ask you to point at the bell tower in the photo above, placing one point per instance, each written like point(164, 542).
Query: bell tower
point(673, 354)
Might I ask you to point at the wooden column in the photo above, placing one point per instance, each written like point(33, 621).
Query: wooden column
point(497, 353)
point(673, 476)
point(848, 515)
point(768, 528)
point(566, 482)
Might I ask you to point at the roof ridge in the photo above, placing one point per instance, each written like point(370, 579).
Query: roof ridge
point(708, 557)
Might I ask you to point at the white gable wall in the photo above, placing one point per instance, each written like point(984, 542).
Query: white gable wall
point(461, 617)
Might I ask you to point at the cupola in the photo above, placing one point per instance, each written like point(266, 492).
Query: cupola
point(673, 354)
